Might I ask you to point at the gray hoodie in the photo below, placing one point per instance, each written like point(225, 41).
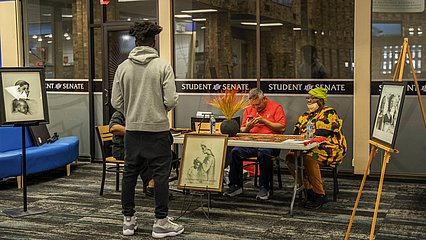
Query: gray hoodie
point(144, 90)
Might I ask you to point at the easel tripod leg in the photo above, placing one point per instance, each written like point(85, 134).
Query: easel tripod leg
point(372, 153)
point(379, 193)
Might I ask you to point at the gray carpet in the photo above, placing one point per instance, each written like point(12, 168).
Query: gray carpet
point(76, 211)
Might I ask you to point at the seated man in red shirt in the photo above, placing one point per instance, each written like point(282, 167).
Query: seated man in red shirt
point(262, 117)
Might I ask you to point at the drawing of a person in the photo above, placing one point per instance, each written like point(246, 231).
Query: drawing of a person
point(20, 90)
point(195, 173)
point(208, 164)
point(20, 106)
point(23, 88)
point(395, 107)
point(387, 118)
point(381, 113)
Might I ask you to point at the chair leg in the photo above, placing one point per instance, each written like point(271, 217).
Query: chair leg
point(256, 173)
point(335, 184)
point(103, 178)
point(117, 178)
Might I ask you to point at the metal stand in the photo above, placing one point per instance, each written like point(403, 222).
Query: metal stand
point(201, 195)
point(22, 212)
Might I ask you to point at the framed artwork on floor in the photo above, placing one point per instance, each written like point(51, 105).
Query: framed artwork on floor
point(23, 99)
point(203, 161)
point(388, 113)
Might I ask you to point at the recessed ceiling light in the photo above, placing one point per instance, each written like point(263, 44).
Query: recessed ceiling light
point(297, 29)
point(199, 19)
point(199, 11)
point(67, 15)
point(182, 16)
point(262, 24)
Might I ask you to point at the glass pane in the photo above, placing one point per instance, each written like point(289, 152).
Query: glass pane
point(212, 41)
point(300, 39)
point(134, 10)
point(51, 37)
point(388, 30)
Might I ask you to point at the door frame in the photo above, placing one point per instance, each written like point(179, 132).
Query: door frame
point(106, 97)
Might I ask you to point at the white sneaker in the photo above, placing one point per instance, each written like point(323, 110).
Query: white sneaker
point(129, 225)
point(166, 228)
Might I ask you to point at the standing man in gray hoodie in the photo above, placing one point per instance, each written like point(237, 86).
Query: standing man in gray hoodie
point(144, 91)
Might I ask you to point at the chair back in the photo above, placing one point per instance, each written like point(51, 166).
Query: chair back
point(105, 139)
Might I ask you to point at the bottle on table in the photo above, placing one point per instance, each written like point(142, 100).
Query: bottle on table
point(212, 124)
point(310, 129)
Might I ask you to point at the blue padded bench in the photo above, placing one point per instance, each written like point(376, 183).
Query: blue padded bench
point(39, 158)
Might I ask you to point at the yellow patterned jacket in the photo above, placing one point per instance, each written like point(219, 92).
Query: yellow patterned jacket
point(327, 123)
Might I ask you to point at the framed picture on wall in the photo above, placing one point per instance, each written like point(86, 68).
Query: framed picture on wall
point(388, 113)
point(23, 99)
point(203, 160)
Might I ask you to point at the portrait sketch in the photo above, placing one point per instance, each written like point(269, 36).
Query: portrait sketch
point(388, 112)
point(203, 161)
point(22, 95)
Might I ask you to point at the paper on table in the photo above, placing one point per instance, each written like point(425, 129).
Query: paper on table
point(299, 141)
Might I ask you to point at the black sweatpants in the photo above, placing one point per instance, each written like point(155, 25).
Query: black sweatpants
point(147, 151)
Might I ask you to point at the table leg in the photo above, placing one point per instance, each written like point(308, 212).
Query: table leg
point(298, 164)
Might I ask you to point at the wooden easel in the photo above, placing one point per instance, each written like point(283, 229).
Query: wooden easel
point(399, 71)
point(375, 145)
point(388, 151)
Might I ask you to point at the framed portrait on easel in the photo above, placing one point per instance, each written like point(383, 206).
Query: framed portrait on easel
point(23, 99)
point(203, 161)
point(388, 113)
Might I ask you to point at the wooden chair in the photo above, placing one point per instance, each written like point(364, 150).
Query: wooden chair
point(276, 166)
point(117, 167)
point(334, 172)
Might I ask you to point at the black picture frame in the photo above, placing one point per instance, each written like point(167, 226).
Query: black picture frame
point(23, 98)
point(388, 113)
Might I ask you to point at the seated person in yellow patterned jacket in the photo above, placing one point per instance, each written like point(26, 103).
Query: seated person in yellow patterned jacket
point(330, 152)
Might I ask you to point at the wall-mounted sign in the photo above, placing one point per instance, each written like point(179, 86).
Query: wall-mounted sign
point(410, 88)
point(273, 86)
point(341, 87)
point(281, 86)
point(73, 86)
point(398, 6)
point(208, 86)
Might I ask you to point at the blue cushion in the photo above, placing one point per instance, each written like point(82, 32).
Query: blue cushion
point(10, 164)
point(73, 144)
point(11, 138)
point(38, 158)
point(47, 157)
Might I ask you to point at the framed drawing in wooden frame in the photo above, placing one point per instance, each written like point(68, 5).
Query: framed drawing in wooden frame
point(388, 113)
point(23, 97)
point(203, 161)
